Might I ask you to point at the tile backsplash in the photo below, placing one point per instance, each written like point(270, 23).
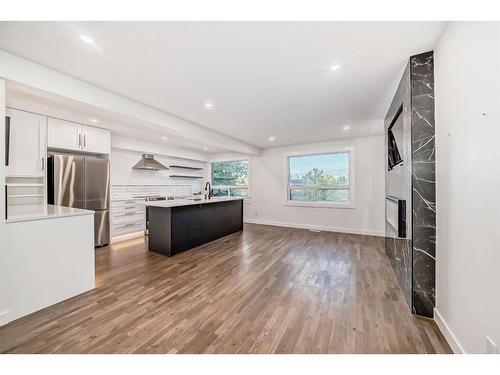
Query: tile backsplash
point(119, 192)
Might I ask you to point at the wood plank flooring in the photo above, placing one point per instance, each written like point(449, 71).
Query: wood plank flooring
point(264, 290)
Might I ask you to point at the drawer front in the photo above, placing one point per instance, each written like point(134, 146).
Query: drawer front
point(127, 208)
point(126, 205)
point(118, 229)
point(127, 217)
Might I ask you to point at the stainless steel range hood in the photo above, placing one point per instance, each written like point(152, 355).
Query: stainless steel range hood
point(149, 163)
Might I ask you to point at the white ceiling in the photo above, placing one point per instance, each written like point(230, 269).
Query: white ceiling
point(264, 78)
point(36, 101)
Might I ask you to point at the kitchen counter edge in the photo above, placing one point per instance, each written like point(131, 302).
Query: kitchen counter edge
point(22, 213)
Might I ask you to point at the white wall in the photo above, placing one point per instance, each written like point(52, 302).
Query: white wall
point(126, 143)
point(122, 161)
point(3, 243)
point(268, 189)
point(467, 79)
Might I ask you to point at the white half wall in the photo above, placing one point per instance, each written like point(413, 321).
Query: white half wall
point(268, 189)
point(48, 261)
point(467, 79)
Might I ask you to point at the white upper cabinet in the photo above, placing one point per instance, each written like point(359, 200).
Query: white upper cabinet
point(26, 144)
point(96, 140)
point(64, 135)
point(68, 135)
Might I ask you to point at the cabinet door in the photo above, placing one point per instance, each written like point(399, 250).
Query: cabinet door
point(26, 142)
point(96, 140)
point(64, 135)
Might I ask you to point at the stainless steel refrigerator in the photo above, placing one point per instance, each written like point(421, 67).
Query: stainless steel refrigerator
point(81, 182)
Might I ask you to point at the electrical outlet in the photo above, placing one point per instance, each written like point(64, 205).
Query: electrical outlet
point(491, 347)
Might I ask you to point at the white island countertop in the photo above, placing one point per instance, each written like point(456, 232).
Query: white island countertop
point(189, 202)
point(20, 213)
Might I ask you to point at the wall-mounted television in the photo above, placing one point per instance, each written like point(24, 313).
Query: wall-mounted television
point(395, 140)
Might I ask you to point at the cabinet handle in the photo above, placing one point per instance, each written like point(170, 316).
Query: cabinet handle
point(84, 140)
point(126, 226)
point(43, 163)
point(79, 140)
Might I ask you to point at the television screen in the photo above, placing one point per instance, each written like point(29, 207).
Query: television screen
point(395, 138)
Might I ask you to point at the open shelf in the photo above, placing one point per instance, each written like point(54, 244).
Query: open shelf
point(23, 184)
point(180, 176)
point(24, 175)
point(185, 167)
point(23, 195)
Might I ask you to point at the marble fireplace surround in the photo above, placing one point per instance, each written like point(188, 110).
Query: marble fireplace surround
point(413, 257)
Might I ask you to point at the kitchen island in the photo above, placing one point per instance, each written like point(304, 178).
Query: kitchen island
point(178, 225)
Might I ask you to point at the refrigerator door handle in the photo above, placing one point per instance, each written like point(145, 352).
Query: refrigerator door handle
point(7, 139)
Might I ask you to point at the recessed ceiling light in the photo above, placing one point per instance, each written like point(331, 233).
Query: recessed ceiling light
point(335, 67)
point(209, 105)
point(347, 127)
point(94, 120)
point(164, 137)
point(205, 148)
point(272, 139)
point(87, 39)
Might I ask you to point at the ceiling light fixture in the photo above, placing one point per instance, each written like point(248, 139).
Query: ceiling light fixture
point(335, 67)
point(94, 120)
point(209, 105)
point(164, 137)
point(347, 127)
point(87, 39)
point(272, 139)
point(205, 148)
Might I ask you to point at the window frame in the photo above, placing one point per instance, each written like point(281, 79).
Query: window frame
point(228, 187)
point(316, 203)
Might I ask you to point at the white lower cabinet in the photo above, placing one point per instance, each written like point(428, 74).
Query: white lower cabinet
point(26, 144)
point(126, 217)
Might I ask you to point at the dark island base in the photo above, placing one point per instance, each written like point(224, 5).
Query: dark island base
point(173, 230)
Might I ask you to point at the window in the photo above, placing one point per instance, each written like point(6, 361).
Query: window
point(230, 178)
point(320, 179)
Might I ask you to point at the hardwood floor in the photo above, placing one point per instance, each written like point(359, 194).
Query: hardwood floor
point(265, 290)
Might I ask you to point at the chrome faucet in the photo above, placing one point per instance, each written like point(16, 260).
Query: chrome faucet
point(209, 195)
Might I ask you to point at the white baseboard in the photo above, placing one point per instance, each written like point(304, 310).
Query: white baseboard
point(127, 236)
point(448, 334)
point(315, 227)
point(4, 317)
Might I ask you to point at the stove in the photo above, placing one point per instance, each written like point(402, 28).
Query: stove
point(152, 199)
point(149, 198)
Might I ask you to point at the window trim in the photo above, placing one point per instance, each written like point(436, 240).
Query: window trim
point(247, 198)
point(322, 204)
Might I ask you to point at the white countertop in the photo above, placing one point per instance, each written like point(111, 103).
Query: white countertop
point(188, 202)
point(137, 199)
point(41, 212)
